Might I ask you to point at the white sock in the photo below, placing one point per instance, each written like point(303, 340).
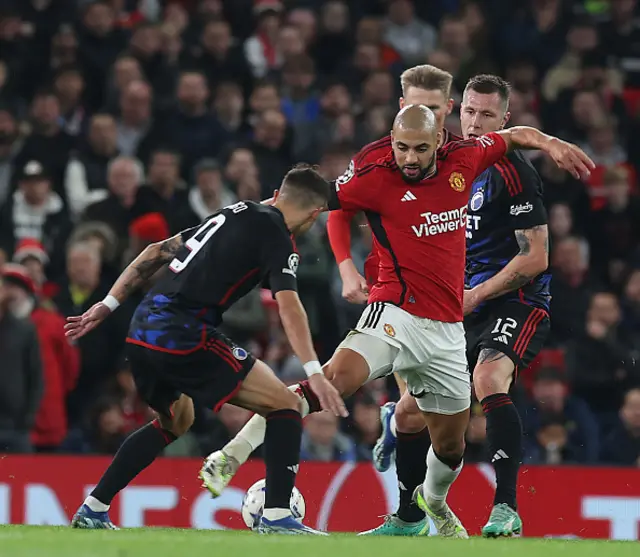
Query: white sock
point(438, 479)
point(276, 514)
point(251, 436)
point(95, 505)
point(392, 426)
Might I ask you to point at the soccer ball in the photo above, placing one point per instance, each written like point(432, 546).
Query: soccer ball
point(253, 504)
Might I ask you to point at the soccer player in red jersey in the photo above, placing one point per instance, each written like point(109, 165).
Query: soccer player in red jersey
point(426, 85)
point(416, 201)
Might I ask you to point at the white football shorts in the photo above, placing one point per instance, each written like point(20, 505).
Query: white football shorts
point(430, 356)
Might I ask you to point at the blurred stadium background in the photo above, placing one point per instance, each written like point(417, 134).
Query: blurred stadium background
point(140, 117)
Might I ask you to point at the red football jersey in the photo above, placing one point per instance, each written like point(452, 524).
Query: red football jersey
point(341, 240)
point(419, 229)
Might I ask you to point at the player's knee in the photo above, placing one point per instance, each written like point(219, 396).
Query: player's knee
point(490, 378)
point(449, 449)
point(409, 418)
point(183, 417)
point(286, 400)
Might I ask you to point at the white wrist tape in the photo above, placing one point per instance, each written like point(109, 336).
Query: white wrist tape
point(312, 368)
point(111, 302)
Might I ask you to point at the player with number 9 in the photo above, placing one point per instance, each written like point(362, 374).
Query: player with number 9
point(179, 359)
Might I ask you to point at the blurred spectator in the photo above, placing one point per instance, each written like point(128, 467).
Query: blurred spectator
point(210, 194)
point(218, 57)
point(60, 360)
point(615, 229)
point(135, 411)
point(124, 176)
point(228, 422)
point(240, 163)
point(631, 306)
point(137, 131)
point(622, 445)
point(164, 192)
point(100, 349)
point(104, 432)
point(601, 360)
point(31, 254)
point(260, 49)
point(146, 47)
point(21, 377)
point(126, 69)
point(69, 87)
point(34, 211)
point(619, 37)
point(365, 417)
point(103, 239)
point(228, 105)
point(195, 131)
point(64, 48)
point(322, 440)
point(571, 287)
point(145, 230)
point(313, 138)
point(300, 102)
point(407, 34)
point(265, 96)
point(48, 142)
point(334, 38)
point(270, 150)
point(561, 224)
point(86, 175)
point(100, 44)
point(9, 147)
point(552, 404)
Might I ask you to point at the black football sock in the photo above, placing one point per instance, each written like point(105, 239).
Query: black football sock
point(282, 455)
point(504, 437)
point(137, 452)
point(411, 468)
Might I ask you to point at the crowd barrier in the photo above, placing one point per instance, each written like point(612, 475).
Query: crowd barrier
point(341, 497)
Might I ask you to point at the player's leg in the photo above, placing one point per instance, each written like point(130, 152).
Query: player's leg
point(385, 447)
point(442, 389)
point(444, 464)
point(142, 447)
point(264, 393)
point(512, 338)
point(359, 358)
point(411, 467)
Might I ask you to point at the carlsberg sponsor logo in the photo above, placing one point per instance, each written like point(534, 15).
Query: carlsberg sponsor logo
point(439, 223)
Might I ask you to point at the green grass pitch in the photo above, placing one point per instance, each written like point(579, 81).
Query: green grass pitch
point(40, 541)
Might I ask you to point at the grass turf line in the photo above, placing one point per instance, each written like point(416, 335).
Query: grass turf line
point(41, 541)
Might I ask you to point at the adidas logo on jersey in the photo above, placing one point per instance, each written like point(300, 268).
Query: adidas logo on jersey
point(500, 454)
point(501, 338)
point(409, 196)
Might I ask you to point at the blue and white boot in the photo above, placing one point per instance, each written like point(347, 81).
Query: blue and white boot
point(385, 447)
point(90, 520)
point(287, 525)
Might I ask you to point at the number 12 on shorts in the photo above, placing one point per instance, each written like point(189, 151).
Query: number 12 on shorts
point(504, 326)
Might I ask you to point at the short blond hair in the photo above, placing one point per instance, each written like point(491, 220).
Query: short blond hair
point(427, 77)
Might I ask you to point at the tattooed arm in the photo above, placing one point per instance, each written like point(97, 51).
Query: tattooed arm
point(532, 260)
point(143, 267)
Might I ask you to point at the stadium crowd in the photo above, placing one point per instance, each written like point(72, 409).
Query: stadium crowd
point(124, 121)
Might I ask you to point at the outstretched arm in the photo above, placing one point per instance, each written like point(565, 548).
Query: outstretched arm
point(567, 156)
point(531, 260)
point(141, 269)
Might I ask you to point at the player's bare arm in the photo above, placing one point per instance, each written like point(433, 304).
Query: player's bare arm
point(531, 260)
point(567, 156)
point(296, 327)
point(140, 270)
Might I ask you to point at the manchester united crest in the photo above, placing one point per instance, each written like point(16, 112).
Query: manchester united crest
point(389, 330)
point(456, 181)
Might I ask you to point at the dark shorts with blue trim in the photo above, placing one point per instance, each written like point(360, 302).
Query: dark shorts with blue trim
point(517, 330)
point(211, 373)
